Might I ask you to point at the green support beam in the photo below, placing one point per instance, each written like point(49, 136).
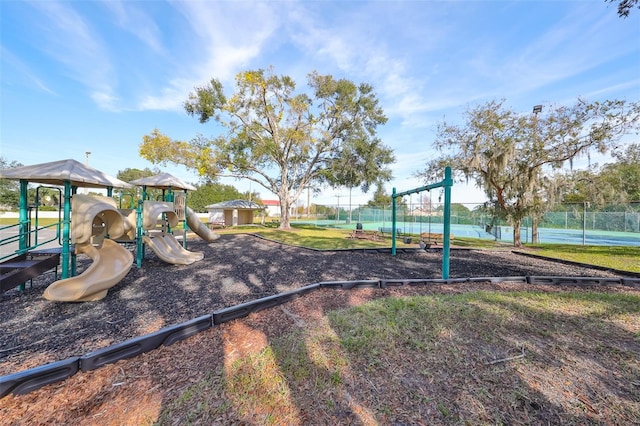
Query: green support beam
point(66, 231)
point(447, 183)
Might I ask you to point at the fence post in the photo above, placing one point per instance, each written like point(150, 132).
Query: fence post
point(584, 223)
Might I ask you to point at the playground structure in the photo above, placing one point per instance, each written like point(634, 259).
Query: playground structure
point(93, 220)
point(172, 210)
point(94, 226)
point(161, 241)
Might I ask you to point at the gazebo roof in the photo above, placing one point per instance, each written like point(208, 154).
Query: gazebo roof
point(163, 181)
point(235, 205)
point(62, 171)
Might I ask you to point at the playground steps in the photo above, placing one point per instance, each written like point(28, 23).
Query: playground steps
point(26, 266)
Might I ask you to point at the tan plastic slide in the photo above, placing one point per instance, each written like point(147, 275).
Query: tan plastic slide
point(153, 210)
point(196, 225)
point(93, 218)
point(177, 248)
point(164, 245)
point(168, 249)
point(111, 263)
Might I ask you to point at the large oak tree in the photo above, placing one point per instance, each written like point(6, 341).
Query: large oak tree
point(509, 154)
point(282, 139)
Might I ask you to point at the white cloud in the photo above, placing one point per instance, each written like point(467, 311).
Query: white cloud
point(221, 39)
point(105, 100)
point(71, 41)
point(24, 71)
point(171, 97)
point(632, 87)
point(132, 19)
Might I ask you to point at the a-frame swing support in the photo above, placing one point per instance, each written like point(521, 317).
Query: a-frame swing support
point(447, 183)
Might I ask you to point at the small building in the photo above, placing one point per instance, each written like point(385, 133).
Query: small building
point(272, 207)
point(232, 213)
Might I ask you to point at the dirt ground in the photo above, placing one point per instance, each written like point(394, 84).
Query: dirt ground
point(236, 269)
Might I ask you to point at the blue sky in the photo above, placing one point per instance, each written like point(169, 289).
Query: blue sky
point(96, 76)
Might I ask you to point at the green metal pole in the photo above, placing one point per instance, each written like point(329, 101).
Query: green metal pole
point(74, 257)
point(447, 183)
point(184, 224)
point(139, 245)
point(393, 222)
point(66, 230)
point(23, 224)
point(24, 217)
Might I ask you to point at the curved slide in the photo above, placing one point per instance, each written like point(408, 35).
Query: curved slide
point(153, 210)
point(111, 262)
point(195, 224)
point(164, 245)
point(92, 219)
point(168, 249)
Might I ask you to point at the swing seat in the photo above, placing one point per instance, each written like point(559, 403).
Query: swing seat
point(389, 231)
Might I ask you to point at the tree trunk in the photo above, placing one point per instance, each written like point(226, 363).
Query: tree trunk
point(349, 219)
point(534, 230)
point(284, 213)
point(516, 232)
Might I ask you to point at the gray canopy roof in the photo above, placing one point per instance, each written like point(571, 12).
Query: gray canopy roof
point(59, 172)
point(235, 205)
point(163, 181)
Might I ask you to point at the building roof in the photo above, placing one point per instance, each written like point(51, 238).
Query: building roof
point(235, 205)
point(271, 202)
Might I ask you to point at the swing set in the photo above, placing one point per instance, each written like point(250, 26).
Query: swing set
point(446, 184)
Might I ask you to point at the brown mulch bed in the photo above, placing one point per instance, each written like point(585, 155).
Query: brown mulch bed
point(236, 269)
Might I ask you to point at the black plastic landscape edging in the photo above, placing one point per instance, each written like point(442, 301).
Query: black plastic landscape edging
point(574, 280)
point(421, 281)
point(348, 285)
point(139, 345)
point(244, 309)
point(35, 378)
point(631, 282)
point(29, 380)
point(498, 279)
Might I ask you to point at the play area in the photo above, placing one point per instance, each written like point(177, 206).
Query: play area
point(220, 297)
point(96, 227)
point(284, 287)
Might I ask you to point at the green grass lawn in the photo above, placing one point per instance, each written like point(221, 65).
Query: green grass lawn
point(624, 258)
point(480, 357)
point(314, 237)
point(44, 221)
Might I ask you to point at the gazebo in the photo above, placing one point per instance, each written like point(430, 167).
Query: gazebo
point(232, 213)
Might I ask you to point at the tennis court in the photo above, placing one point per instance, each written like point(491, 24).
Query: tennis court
point(545, 235)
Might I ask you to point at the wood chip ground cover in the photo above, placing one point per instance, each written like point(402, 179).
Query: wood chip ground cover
point(445, 354)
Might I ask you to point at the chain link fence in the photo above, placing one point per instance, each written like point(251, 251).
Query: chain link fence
point(578, 223)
